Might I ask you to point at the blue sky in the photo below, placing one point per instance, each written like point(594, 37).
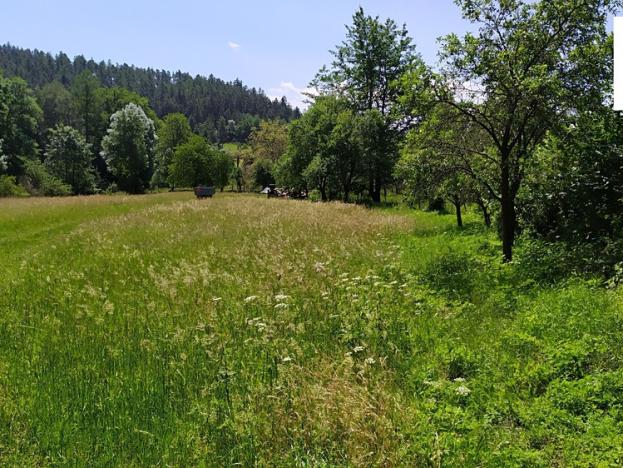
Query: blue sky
point(274, 45)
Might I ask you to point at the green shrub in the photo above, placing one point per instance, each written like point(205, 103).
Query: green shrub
point(38, 181)
point(112, 188)
point(10, 188)
point(314, 195)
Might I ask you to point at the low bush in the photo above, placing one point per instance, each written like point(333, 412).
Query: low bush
point(10, 188)
point(38, 181)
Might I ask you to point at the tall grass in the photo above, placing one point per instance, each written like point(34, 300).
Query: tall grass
point(161, 330)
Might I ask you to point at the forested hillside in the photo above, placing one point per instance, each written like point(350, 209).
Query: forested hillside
point(209, 103)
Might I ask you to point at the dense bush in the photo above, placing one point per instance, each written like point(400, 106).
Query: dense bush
point(574, 191)
point(38, 181)
point(68, 157)
point(10, 188)
point(198, 163)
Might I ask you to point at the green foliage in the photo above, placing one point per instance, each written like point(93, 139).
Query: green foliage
point(574, 192)
point(367, 65)
point(223, 166)
point(208, 102)
point(57, 104)
point(334, 150)
point(174, 131)
point(128, 148)
point(454, 273)
point(263, 173)
point(87, 98)
point(10, 188)
point(68, 157)
point(38, 181)
point(269, 140)
point(521, 74)
point(20, 116)
point(198, 163)
point(365, 74)
point(435, 163)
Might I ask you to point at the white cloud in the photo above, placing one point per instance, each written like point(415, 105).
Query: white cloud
point(296, 96)
point(233, 45)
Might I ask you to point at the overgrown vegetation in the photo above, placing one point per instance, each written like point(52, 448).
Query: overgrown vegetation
point(282, 332)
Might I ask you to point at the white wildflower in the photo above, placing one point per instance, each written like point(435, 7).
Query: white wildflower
point(281, 297)
point(463, 390)
point(281, 305)
point(250, 299)
point(358, 349)
point(369, 361)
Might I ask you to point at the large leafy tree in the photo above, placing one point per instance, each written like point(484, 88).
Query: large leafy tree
point(128, 148)
point(529, 66)
point(68, 157)
point(333, 149)
point(196, 162)
point(269, 140)
point(365, 72)
point(20, 116)
point(309, 160)
point(108, 101)
point(174, 131)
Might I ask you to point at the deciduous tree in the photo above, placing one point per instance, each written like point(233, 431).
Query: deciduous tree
point(529, 66)
point(128, 148)
point(68, 157)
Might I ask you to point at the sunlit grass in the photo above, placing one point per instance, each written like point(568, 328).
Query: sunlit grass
point(163, 330)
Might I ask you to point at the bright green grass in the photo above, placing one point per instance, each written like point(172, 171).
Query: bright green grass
point(162, 330)
point(231, 147)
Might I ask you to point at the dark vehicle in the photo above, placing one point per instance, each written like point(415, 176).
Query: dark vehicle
point(203, 191)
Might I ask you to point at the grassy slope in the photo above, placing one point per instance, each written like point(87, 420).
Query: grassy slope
point(161, 329)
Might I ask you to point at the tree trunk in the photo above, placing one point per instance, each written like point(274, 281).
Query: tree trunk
point(457, 208)
point(376, 195)
point(508, 215)
point(323, 193)
point(485, 212)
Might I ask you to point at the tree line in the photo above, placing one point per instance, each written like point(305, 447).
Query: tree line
point(89, 138)
point(218, 110)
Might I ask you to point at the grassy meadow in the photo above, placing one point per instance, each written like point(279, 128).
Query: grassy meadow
point(164, 330)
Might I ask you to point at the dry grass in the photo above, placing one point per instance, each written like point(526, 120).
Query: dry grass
point(169, 318)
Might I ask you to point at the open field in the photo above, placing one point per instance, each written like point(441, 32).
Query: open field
point(162, 330)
